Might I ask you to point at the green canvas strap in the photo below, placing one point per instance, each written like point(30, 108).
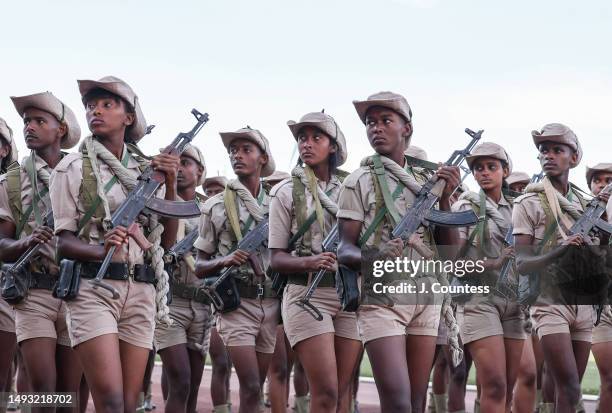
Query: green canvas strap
point(300, 210)
point(412, 161)
point(380, 215)
point(551, 224)
point(92, 206)
point(381, 177)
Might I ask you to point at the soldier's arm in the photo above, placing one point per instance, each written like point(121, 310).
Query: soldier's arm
point(448, 235)
point(168, 164)
point(205, 266)
point(349, 253)
point(11, 249)
point(283, 262)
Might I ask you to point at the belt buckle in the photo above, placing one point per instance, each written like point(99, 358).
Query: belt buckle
point(260, 290)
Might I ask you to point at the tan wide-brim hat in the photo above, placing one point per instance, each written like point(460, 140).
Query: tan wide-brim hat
point(277, 176)
point(194, 153)
point(491, 150)
point(215, 180)
point(50, 104)
point(118, 87)
point(416, 152)
point(559, 133)
point(600, 167)
point(258, 139)
point(327, 125)
point(7, 134)
point(516, 177)
point(389, 100)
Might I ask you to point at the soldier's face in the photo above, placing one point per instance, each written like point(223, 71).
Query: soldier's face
point(314, 146)
point(556, 158)
point(212, 189)
point(489, 173)
point(107, 116)
point(246, 157)
point(599, 181)
point(518, 186)
point(189, 173)
point(41, 129)
point(387, 130)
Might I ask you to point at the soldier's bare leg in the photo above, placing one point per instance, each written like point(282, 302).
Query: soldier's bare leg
point(603, 358)
point(251, 368)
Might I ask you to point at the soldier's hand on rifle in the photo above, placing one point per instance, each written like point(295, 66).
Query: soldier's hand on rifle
point(40, 235)
point(168, 165)
point(115, 237)
point(576, 239)
point(452, 176)
point(604, 196)
point(507, 253)
point(393, 248)
point(237, 257)
point(324, 261)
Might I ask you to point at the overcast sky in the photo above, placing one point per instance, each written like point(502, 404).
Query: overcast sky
point(506, 67)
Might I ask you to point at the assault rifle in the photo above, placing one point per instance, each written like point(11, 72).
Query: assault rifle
point(182, 247)
point(421, 213)
point(142, 198)
point(222, 289)
point(330, 244)
point(15, 277)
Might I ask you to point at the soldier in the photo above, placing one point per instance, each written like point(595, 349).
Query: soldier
point(540, 220)
point(400, 340)
point(184, 344)
point(214, 185)
point(598, 177)
point(8, 341)
point(8, 149)
point(112, 337)
point(40, 319)
point(296, 245)
point(249, 331)
point(491, 324)
point(517, 181)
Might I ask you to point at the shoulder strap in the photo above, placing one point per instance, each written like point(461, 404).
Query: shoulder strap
point(89, 190)
point(381, 177)
point(379, 216)
point(13, 183)
point(551, 225)
point(303, 223)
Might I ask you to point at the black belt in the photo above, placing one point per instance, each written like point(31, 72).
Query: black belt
point(189, 292)
point(42, 281)
point(119, 271)
point(255, 290)
point(328, 280)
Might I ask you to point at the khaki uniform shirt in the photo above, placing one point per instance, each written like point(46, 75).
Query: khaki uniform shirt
point(216, 235)
point(283, 221)
point(68, 207)
point(184, 274)
point(47, 251)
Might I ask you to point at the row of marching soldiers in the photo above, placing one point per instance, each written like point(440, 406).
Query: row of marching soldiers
point(106, 344)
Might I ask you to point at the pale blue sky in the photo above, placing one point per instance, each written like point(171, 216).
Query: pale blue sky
point(506, 67)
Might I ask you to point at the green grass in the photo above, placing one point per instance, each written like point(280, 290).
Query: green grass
point(590, 381)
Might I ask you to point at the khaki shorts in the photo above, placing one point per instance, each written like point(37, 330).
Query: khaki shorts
point(382, 321)
point(94, 313)
point(41, 315)
point(191, 326)
point(252, 324)
point(483, 317)
point(7, 317)
point(576, 320)
point(602, 333)
point(300, 325)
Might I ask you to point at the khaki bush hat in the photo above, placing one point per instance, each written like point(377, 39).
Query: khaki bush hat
point(215, 180)
point(194, 153)
point(491, 150)
point(118, 87)
point(516, 177)
point(50, 104)
point(257, 138)
point(7, 134)
point(325, 123)
point(277, 176)
point(416, 152)
point(600, 167)
point(388, 100)
point(559, 133)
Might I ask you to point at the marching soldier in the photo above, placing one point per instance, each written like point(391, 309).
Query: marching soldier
point(184, 344)
point(112, 337)
point(296, 244)
point(249, 331)
point(540, 220)
point(400, 340)
point(40, 319)
point(214, 185)
point(517, 181)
